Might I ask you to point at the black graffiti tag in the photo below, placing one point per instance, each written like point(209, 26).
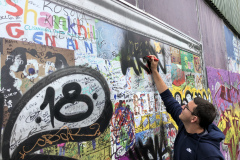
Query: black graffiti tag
point(153, 148)
point(76, 95)
point(136, 52)
point(88, 123)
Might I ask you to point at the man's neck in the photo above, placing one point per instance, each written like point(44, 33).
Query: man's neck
point(193, 129)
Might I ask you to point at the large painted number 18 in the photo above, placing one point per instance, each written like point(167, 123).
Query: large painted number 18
point(76, 95)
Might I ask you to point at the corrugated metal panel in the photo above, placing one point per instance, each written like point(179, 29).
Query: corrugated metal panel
point(229, 11)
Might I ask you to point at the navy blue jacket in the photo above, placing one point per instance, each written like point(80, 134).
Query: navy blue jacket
point(193, 146)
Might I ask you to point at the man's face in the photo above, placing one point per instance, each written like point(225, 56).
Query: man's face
point(187, 111)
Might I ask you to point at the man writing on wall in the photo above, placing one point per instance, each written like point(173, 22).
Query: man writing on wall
point(197, 138)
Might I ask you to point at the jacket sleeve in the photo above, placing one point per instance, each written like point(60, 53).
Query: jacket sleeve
point(172, 105)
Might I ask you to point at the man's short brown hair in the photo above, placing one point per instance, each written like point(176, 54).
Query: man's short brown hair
point(205, 111)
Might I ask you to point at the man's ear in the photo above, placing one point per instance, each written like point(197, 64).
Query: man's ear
point(194, 119)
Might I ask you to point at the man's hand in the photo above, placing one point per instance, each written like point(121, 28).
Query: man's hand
point(160, 84)
point(154, 63)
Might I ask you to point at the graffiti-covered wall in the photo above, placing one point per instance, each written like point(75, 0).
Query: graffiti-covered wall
point(224, 87)
point(221, 60)
point(76, 86)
